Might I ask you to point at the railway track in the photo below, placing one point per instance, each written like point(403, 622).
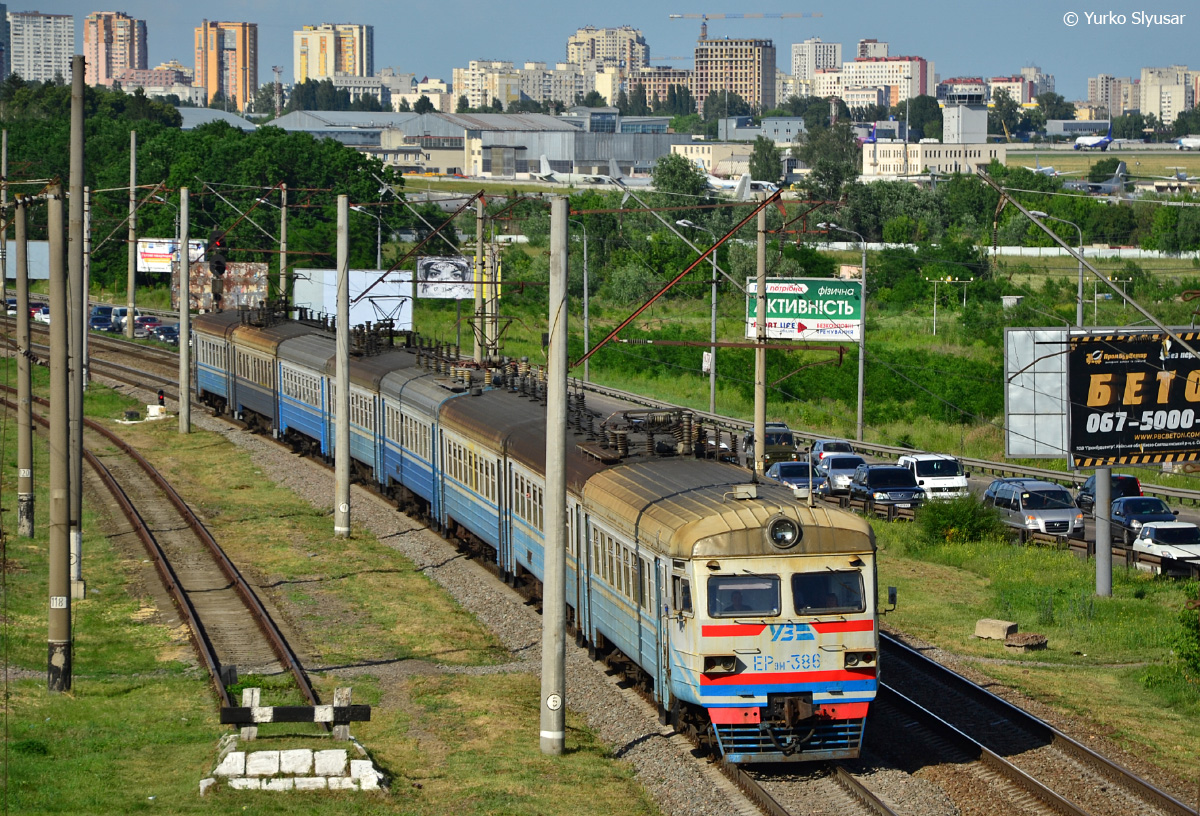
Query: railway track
point(228, 626)
point(1037, 768)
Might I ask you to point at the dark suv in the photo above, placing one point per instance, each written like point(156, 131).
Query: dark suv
point(1121, 486)
point(883, 485)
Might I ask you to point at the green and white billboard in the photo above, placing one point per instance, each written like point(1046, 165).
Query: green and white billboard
point(825, 309)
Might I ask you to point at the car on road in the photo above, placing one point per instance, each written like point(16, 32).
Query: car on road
point(885, 485)
point(166, 333)
point(1178, 541)
point(1130, 513)
point(940, 476)
point(100, 323)
point(119, 313)
point(1031, 507)
point(1121, 486)
point(799, 476)
point(42, 315)
point(142, 324)
point(826, 447)
point(11, 306)
point(838, 470)
point(778, 445)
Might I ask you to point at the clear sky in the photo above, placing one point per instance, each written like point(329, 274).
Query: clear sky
point(962, 38)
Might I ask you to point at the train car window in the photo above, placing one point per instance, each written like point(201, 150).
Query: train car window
point(740, 595)
point(645, 576)
point(823, 593)
point(681, 591)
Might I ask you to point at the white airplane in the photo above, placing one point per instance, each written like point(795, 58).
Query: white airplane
point(1187, 143)
point(1047, 171)
point(742, 187)
point(569, 178)
point(1093, 142)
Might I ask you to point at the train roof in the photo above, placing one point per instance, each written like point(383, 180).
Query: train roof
point(369, 370)
point(221, 324)
point(686, 508)
point(516, 425)
point(424, 390)
point(266, 339)
point(312, 351)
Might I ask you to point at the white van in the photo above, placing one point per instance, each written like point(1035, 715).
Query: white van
point(941, 476)
point(118, 316)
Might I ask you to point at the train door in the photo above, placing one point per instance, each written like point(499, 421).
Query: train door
point(504, 551)
point(675, 604)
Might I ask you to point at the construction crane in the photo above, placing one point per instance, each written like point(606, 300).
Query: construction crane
point(704, 18)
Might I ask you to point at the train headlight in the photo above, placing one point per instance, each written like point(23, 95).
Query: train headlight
point(784, 533)
point(719, 664)
point(859, 658)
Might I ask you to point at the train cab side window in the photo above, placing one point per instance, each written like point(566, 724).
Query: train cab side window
point(681, 593)
point(825, 593)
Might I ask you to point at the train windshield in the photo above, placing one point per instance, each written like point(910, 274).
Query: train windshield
point(824, 593)
point(732, 596)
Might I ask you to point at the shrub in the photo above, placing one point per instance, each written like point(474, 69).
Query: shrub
point(1187, 646)
point(958, 520)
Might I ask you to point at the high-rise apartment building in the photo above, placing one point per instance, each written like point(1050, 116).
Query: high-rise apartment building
point(112, 42)
point(333, 49)
point(744, 67)
point(1043, 83)
point(599, 48)
point(871, 49)
point(904, 77)
point(1115, 94)
point(1167, 92)
point(5, 43)
point(227, 61)
point(42, 45)
point(812, 55)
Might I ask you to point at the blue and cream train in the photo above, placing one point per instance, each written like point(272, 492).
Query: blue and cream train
point(751, 617)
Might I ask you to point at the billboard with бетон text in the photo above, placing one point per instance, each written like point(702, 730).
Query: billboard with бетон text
point(1135, 399)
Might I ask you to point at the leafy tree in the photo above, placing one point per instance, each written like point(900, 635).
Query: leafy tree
point(833, 157)
point(368, 103)
point(922, 110)
point(1104, 169)
point(622, 102)
point(674, 173)
point(765, 161)
point(402, 106)
point(722, 104)
point(264, 99)
point(1054, 106)
point(638, 106)
point(463, 105)
point(423, 105)
point(1129, 126)
point(497, 106)
point(594, 100)
point(1005, 113)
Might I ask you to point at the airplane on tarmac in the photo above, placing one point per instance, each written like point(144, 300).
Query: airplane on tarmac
point(1112, 186)
point(1047, 171)
point(624, 180)
point(869, 138)
point(1092, 142)
point(547, 174)
point(1187, 143)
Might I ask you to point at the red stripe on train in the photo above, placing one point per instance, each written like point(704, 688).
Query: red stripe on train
point(844, 626)
point(732, 630)
point(788, 678)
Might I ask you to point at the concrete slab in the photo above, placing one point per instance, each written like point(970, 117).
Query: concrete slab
point(245, 783)
point(330, 763)
point(992, 629)
point(234, 764)
point(310, 783)
point(282, 783)
point(298, 762)
point(262, 763)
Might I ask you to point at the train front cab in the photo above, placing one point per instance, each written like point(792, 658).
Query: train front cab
point(780, 652)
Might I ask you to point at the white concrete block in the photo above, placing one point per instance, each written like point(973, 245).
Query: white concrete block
point(283, 783)
point(234, 764)
point(155, 411)
point(992, 629)
point(297, 763)
point(310, 783)
point(370, 781)
point(342, 783)
point(262, 763)
point(360, 768)
point(245, 783)
point(205, 784)
point(330, 763)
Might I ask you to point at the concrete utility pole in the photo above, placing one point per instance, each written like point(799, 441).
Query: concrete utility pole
point(1103, 512)
point(283, 289)
point(58, 668)
point(760, 353)
point(24, 385)
point(341, 450)
point(76, 325)
point(87, 284)
point(4, 208)
point(480, 277)
point(554, 609)
point(132, 268)
point(185, 318)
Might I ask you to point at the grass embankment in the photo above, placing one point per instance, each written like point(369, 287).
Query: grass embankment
point(139, 729)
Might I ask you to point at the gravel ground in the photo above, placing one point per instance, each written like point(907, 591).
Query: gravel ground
point(662, 761)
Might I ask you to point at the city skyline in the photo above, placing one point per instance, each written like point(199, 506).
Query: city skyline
point(418, 39)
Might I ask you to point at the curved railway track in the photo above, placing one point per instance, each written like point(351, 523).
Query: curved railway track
point(1037, 768)
point(227, 624)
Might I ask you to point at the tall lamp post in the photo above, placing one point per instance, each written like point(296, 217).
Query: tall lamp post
point(378, 234)
point(587, 345)
point(1079, 296)
point(712, 351)
point(862, 332)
